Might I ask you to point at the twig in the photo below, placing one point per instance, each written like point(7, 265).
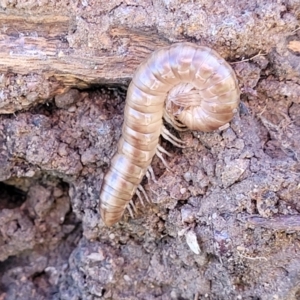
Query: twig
point(253, 258)
point(262, 112)
point(248, 59)
point(295, 30)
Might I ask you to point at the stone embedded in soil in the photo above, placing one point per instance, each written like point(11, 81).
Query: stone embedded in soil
point(233, 171)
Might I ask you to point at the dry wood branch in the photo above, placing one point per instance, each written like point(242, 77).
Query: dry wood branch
point(39, 45)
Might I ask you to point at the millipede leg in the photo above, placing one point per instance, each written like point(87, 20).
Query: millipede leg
point(178, 126)
point(150, 174)
point(130, 211)
point(172, 138)
point(159, 154)
point(140, 197)
point(133, 206)
point(140, 187)
point(163, 150)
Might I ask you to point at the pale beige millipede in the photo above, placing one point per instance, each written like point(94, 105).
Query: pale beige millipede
point(191, 87)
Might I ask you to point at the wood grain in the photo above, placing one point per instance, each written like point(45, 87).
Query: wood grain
point(39, 58)
point(40, 45)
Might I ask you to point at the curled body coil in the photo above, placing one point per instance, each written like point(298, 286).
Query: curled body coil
point(188, 84)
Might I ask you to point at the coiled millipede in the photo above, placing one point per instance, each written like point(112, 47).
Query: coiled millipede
point(191, 87)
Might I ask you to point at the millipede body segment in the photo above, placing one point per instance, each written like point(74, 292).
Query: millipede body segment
point(190, 87)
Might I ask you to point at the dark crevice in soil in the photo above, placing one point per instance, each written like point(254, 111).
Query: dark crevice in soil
point(10, 196)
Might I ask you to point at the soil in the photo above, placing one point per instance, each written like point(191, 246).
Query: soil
point(223, 222)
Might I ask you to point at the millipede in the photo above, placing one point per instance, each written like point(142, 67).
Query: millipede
point(190, 87)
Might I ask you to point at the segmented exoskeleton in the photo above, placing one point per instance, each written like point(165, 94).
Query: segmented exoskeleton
point(190, 87)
